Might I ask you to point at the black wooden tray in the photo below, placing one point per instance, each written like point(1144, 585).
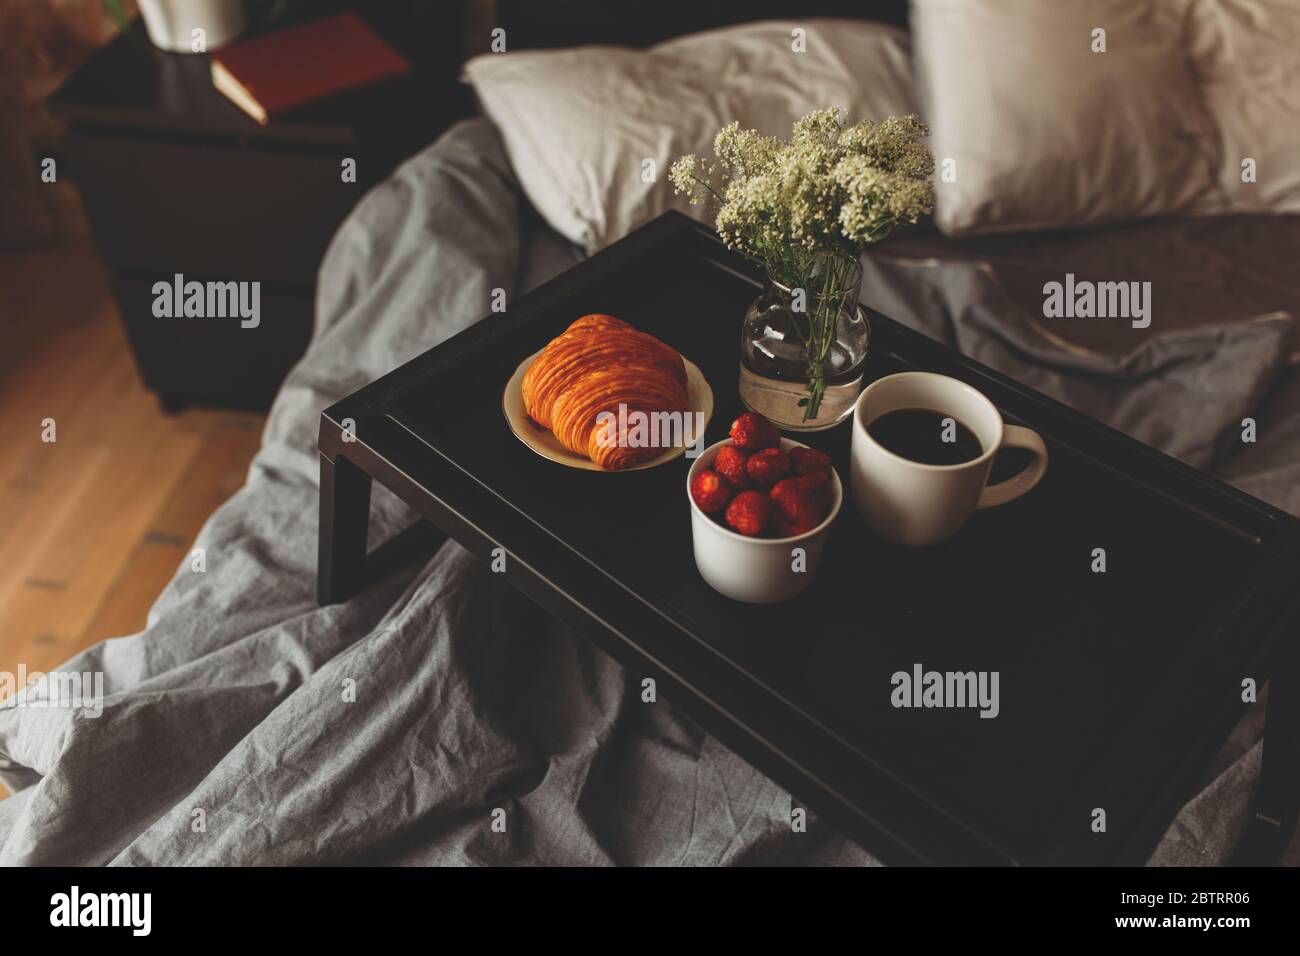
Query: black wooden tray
point(1115, 688)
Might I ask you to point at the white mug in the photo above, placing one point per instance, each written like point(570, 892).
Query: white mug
point(918, 504)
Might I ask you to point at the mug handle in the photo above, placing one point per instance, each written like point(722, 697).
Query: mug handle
point(1013, 436)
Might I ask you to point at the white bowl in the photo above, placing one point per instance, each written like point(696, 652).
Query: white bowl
point(756, 570)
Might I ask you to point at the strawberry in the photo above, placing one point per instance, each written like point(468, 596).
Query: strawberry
point(752, 432)
point(804, 461)
point(765, 468)
point(786, 528)
point(801, 502)
point(817, 486)
point(710, 491)
point(730, 464)
point(749, 512)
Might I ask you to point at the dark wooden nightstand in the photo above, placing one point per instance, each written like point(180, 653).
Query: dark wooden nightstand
point(176, 179)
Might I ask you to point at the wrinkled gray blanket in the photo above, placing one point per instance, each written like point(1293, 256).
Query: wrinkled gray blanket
point(246, 725)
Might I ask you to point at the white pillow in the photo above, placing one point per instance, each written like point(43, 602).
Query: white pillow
point(1042, 131)
point(581, 124)
point(1247, 59)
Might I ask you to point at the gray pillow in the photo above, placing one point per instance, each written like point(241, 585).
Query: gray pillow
point(592, 131)
point(1246, 54)
point(1063, 113)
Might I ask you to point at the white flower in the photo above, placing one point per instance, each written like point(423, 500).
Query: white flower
point(828, 191)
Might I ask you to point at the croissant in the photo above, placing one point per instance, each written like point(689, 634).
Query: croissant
point(597, 364)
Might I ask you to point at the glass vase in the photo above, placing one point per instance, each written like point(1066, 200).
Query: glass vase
point(803, 351)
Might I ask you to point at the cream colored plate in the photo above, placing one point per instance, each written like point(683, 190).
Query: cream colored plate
point(547, 445)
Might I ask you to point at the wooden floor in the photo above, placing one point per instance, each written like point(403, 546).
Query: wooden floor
point(93, 525)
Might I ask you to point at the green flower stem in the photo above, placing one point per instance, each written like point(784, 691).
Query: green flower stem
point(823, 326)
point(114, 9)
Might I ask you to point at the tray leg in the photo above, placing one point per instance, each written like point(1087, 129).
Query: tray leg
point(344, 522)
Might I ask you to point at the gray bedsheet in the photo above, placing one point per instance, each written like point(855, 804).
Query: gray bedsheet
point(246, 725)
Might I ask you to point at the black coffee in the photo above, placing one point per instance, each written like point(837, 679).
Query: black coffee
point(926, 436)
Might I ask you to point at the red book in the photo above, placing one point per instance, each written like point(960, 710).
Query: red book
point(272, 74)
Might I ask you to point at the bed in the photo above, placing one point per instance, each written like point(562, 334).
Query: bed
point(248, 725)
